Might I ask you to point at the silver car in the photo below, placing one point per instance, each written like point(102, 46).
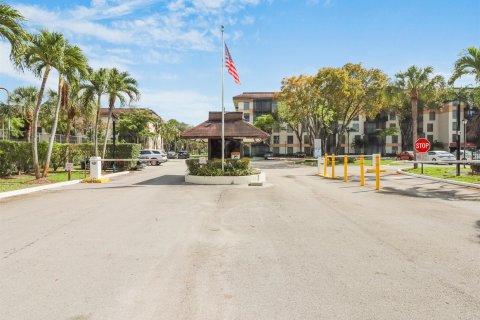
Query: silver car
point(441, 156)
point(154, 156)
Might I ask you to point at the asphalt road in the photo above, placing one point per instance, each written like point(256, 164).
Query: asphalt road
point(148, 246)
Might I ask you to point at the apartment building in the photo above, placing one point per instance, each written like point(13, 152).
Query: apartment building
point(435, 125)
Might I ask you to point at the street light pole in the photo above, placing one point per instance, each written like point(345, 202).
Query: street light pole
point(8, 112)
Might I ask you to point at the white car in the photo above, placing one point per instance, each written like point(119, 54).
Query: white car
point(466, 155)
point(440, 156)
point(156, 157)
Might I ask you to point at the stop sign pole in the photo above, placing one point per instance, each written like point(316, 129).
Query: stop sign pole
point(422, 145)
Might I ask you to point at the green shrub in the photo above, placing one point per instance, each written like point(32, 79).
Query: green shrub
point(16, 157)
point(233, 167)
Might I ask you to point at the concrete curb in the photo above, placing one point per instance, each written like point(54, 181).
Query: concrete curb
point(458, 183)
point(14, 193)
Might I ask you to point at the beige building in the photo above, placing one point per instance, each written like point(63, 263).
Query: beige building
point(435, 125)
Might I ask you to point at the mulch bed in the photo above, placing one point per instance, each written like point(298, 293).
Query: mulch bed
point(39, 181)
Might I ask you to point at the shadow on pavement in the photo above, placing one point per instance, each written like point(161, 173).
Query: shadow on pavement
point(166, 180)
point(417, 192)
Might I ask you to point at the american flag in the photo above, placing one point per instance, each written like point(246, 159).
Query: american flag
point(231, 66)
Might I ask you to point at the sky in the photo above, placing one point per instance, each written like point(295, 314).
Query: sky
point(173, 48)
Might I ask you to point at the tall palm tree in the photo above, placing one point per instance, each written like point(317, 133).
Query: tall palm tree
point(23, 101)
point(95, 87)
point(71, 66)
point(11, 29)
point(119, 84)
point(42, 54)
point(468, 63)
point(419, 84)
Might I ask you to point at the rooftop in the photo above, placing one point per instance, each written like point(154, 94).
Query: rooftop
point(255, 95)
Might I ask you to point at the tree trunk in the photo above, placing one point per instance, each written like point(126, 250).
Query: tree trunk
point(54, 127)
point(95, 128)
point(414, 129)
point(36, 113)
point(110, 111)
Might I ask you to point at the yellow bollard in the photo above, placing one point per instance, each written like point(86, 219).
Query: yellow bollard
point(333, 166)
point(325, 164)
point(377, 172)
point(345, 168)
point(362, 170)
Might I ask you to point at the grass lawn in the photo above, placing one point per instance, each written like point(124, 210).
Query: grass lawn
point(448, 173)
point(25, 181)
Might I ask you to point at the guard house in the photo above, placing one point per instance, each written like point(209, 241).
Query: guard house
point(237, 132)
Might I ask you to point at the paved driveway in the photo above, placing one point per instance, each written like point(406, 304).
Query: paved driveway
point(148, 246)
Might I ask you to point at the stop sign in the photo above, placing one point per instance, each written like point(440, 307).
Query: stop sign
point(422, 145)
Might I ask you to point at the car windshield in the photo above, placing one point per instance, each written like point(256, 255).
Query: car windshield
point(144, 152)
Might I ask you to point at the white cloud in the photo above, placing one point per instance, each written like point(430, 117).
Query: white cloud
point(187, 106)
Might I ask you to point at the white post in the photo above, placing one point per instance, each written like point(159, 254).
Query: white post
point(223, 108)
point(95, 167)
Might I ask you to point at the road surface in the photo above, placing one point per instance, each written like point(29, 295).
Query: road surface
point(148, 246)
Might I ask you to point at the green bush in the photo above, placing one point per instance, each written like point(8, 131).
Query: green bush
point(16, 157)
point(233, 167)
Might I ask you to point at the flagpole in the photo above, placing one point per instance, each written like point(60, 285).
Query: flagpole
point(223, 107)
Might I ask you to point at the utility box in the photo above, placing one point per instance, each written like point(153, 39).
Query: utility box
point(95, 167)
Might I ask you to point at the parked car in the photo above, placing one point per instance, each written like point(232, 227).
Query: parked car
point(299, 154)
point(171, 155)
point(440, 156)
point(156, 157)
point(183, 155)
point(465, 155)
point(405, 155)
point(268, 155)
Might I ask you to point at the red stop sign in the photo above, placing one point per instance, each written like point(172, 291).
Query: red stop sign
point(422, 145)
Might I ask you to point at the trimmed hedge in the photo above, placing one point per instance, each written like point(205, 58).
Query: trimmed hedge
point(16, 157)
point(233, 167)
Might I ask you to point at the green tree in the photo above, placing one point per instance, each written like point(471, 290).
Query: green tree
point(71, 66)
point(94, 89)
point(23, 100)
point(170, 134)
point(134, 125)
point(265, 122)
point(468, 63)
point(383, 134)
point(419, 84)
point(119, 85)
point(41, 54)
point(12, 30)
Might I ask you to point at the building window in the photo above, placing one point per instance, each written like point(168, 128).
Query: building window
point(276, 128)
point(454, 137)
point(262, 107)
point(393, 125)
point(306, 139)
point(431, 115)
point(276, 139)
point(289, 139)
point(430, 138)
point(454, 125)
point(356, 118)
point(356, 127)
point(274, 105)
point(430, 127)
point(454, 115)
point(246, 106)
point(393, 116)
point(290, 150)
point(394, 139)
point(246, 117)
point(289, 129)
point(395, 150)
point(276, 151)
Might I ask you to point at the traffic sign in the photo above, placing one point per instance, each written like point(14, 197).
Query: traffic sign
point(422, 145)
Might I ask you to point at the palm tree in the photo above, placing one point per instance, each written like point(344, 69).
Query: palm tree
point(23, 101)
point(71, 66)
point(95, 88)
point(468, 63)
point(419, 84)
point(119, 84)
point(42, 54)
point(11, 29)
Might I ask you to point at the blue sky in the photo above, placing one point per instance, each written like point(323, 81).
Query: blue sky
point(173, 47)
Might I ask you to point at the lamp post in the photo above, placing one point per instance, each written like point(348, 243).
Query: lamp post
point(464, 138)
point(8, 113)
point(458, 135)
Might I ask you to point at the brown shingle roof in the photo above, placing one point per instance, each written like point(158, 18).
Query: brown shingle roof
point(255, 95)
point(235, 127)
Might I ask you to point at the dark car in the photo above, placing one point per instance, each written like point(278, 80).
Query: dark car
point(299, 154)
point(171, 155)
point(268, 155)
point(183, 155)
